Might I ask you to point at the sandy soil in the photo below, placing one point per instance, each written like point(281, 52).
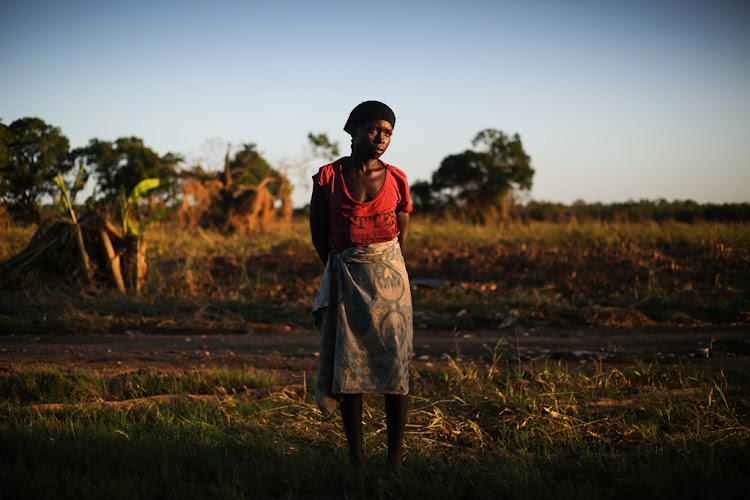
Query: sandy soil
point(296, 352)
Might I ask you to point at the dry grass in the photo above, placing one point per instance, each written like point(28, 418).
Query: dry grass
point(540, 274)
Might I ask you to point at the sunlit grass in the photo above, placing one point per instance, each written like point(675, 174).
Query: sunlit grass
point(201, 243)
point(425, 232)
point(557, 274)
point(14, 238)
point(53, 385)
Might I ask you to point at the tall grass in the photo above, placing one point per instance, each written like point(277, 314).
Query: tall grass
point(590, 234)
point(601, 274)
point(13, 238)
point(206, 243)
point(473, 432)
point(424, 232)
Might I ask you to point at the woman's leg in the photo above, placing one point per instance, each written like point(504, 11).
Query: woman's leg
point(396, 406)
point(351, 414)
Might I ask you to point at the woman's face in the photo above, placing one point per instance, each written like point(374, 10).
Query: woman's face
point(371, 139)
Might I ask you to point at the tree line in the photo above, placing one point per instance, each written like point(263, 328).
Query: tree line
point(34, 153)
point(480, 185)
point(661, 210)
point(485, 184)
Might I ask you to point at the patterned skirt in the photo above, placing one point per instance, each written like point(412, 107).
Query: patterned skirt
point(363, 312)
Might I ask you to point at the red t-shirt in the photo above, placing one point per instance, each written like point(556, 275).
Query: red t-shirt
point(355, 224)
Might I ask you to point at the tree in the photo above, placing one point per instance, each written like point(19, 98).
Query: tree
point(120, 165)
point(422, 195)
point(323, 147)
point(5, 140)
point(249, 168)
point(479, 182)
point(32, 154)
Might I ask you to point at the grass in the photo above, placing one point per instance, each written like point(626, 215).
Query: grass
point(519, 275)
point(15, 238)
point(52, 385)
point(474, 432)
point(591, 234)
point(582, 273)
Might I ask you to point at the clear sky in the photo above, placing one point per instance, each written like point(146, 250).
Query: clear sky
point(613, 100)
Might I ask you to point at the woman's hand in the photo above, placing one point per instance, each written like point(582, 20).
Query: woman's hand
point(402, 222)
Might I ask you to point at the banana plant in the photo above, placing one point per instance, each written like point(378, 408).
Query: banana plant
point(134, 225)
point(66, 203)
point(131, 203)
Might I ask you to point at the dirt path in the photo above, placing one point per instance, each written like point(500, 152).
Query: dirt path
point(297, 351)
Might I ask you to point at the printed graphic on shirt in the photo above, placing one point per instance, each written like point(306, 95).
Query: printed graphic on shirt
point(364, 230)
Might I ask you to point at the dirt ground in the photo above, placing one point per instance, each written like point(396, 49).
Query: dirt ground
point(295, 352)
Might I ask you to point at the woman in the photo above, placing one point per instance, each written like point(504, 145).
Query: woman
point(359, 220)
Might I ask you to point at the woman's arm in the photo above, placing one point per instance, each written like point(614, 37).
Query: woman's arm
point(402, 222)
point(319, 226)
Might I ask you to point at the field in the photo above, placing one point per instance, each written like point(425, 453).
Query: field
point(579, 360)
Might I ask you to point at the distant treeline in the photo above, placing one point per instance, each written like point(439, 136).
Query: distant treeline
point(633, 211)
point(629, 211)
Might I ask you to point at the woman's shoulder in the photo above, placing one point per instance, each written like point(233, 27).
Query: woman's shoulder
point(326, 173)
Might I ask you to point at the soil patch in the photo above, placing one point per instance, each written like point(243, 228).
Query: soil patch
point(295, 352)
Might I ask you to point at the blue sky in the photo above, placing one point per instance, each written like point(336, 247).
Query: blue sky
point(613, 100)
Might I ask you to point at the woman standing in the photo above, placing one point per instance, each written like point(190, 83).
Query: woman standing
point(359, 220)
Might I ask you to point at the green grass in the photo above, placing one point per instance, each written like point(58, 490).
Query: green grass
point(474, 432)
point(52, 385)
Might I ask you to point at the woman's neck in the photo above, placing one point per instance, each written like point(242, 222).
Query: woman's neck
point(355, 163)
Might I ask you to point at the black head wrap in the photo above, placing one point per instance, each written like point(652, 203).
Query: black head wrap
point(366, 111)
